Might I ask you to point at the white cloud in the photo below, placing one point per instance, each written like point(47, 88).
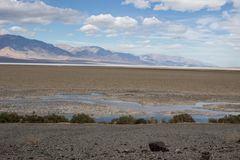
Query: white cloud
point(151, 21)
point(15, 11)
point(20, 30)
point(141, 4)
point(89, 29)
point(236, 3)
point(182, 5)
point(189, 5)
point(107, 20)
point(109, 24)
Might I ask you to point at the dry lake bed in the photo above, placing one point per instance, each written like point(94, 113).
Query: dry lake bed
point(108, 92)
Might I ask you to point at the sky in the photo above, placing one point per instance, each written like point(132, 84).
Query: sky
point(204, 30)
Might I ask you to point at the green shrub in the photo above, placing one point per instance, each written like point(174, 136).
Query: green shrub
point(152, 121)
point(10, 117)
point(53, 118)
point(212, 120)
point(140, 121)
point(181, 118)
point(124, 120)
point(33, 118)
point(230, 119)
point(82, 118)
point(163, 121)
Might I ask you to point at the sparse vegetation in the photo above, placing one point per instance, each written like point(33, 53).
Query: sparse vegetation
point(53, 118)
point(82, 118)
point(152, 121)
point(33, 118)
point(131, 120)
point(226, 119)
point(124, 120)
point(141, 121)
point(182, 118)
point(212, 120)
point(10, 117)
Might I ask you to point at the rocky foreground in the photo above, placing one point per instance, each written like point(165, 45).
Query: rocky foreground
point(100, 141)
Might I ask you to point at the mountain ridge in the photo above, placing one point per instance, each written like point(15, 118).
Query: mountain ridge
point(19, 48)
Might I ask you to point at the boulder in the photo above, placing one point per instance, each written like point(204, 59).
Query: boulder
point(158, 146)
point(205, 156)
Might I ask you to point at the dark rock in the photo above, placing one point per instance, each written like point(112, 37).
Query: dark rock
point(205, 156)
point(238, 141)
point(158, 146)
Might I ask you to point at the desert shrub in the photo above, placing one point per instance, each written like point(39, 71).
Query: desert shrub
point(230, 119)
point(152, 121)
point(124, 120)
point(163, 121)
point(82, 118)
point(140, 121)
point(53, 118)
point(33, 118)
point(182, 118)
point(9, 117)
point(212, 120)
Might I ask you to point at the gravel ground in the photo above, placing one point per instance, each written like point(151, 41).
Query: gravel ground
point(99, 141)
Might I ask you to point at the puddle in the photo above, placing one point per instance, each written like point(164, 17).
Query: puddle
point(198, 111)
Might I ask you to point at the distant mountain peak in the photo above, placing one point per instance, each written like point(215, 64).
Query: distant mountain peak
point(14, 47)
point(23, 44)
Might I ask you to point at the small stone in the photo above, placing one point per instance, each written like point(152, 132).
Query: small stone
point(238, 141)
point(144, 151)
point(205, 156)
point(158, 146)
point(178, 151)
point(126, 151)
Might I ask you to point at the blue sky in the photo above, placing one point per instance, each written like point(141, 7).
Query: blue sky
point(205, 30)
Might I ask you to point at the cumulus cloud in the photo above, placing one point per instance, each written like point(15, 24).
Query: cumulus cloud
point(218, 31)
point(107, 20)
point(89, 29)
point(15, 11)
point(182, 5)
point(141, 4)
point(151, 21)
point(108, 24)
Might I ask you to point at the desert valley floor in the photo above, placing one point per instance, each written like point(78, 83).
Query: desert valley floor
point(95, 90)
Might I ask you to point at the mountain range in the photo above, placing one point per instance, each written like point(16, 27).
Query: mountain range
point(18, 49)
